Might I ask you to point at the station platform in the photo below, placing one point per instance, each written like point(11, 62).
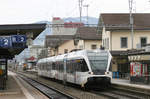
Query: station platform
point(127, 83)
point(16, 88)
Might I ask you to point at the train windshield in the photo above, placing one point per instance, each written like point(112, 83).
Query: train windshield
point(98, 61)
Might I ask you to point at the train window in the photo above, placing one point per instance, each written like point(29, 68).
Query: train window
point(48, 66)
point(78, 66)
point(69, 66)
point(58, 66)
point(53, 66)
point(62, 67)
point(40, 66)
point(73, 67)
point(84, 67)
point(110, 68)
point(43, 66)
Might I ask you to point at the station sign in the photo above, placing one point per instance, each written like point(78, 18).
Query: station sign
point(13, 41)
point(5, 41)
point(18, 38)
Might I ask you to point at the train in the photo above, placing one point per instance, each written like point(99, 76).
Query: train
point(86, 68)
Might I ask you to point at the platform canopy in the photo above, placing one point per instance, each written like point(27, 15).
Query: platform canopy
point(18, 29)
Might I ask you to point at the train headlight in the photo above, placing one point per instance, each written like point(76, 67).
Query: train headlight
point(91, 73)
point(106, 73)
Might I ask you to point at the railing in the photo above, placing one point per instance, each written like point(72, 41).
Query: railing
point(121, 75)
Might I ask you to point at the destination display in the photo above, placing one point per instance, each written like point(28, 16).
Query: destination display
point(13, 41)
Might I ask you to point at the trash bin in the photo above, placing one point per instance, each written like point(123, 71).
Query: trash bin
point(115, 74)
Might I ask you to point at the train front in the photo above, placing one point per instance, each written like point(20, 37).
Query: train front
point(100, 75)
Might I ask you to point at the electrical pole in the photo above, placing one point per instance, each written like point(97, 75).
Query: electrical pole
point(87, 12)
point(80, 9)
point(131, 22)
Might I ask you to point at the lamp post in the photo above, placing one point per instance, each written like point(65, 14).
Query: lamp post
point(87, 11)
point(76, 41)
point(131, 23)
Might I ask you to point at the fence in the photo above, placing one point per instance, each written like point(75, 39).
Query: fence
point(121, 75)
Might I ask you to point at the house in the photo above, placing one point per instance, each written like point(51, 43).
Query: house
point(52, 42)
point(35, 50)
point(115, 29)
point(84, 38)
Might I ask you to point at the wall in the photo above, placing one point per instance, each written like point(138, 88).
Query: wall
point(88, 43)
point(116, 35)
point(106, 39)
point(67, 45)
point(137, 35)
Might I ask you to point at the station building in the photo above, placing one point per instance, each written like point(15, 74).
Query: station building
point(116, 37)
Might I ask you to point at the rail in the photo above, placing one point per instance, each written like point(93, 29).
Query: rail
point(47, 90)
point(123, 93)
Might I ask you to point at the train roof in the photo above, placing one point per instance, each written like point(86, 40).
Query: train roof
point(72, 55)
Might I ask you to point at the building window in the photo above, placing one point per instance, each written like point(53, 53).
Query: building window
point(124, 42)
point(65, 50)
point(81, 47)
point(143, 41)
point(94, 47)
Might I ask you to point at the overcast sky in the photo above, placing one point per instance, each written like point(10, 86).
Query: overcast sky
point(29, 11)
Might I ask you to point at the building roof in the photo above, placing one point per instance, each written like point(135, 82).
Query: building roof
point(22, 29)
point(122, 20)
point(88, 33)
point(56, 40)
point(13, 29)
point(73, 24)
point(83, 33)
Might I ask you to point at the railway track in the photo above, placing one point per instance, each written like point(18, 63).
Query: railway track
point(122, 93)
point(114, 92)
point(48, 91)
point(75, 92)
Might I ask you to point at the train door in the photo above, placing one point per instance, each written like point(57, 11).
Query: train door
point(65, 70)
point(81, 71)
point(71, 71)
